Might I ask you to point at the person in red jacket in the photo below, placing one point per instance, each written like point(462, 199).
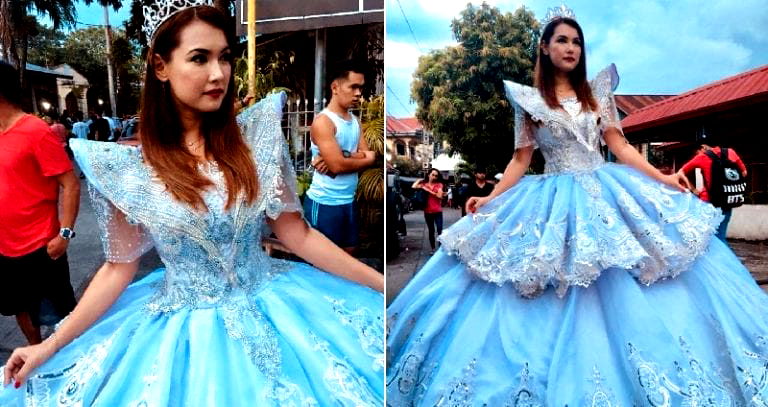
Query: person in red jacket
point(704, 162)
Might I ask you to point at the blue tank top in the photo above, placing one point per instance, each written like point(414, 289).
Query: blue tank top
point(341, 189)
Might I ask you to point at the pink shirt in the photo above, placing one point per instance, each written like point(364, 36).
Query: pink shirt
point(434, 204)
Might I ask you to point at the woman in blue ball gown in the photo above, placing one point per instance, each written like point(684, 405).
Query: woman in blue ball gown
point(223, 324)
point(594, 284)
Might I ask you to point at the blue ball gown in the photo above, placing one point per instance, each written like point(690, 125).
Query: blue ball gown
point(590, 285)
point(223, 324)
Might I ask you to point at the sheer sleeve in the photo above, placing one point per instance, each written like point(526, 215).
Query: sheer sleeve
point(525, 129)
point(117, 184)
point(602, 88)
point(122, 240)
point(261, 127)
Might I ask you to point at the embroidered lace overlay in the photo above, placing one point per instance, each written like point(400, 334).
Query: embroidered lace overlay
point(582, 216)
point(213, 258)
point(689, 383)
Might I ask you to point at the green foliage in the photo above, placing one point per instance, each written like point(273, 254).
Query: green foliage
point(459, 90)
point(46, 48)
point(370, 186)
point(372, 123)
point(270, 73)
point(18, 24)
point(85, 50)
point(303, 181)
point(406, 167)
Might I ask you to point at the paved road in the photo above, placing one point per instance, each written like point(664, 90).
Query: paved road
point(416, 252)
point(85, 257)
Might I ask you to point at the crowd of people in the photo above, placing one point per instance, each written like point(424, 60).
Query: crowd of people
point(99, 125)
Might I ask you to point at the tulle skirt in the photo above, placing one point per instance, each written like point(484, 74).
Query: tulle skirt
point(306, 338)
point(460, 335)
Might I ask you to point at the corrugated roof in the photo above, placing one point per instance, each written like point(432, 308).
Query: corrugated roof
point(631, 103)
point(700, 101)
point(403, 125)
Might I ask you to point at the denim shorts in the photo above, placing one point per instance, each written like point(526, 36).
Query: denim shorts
point(337, 222)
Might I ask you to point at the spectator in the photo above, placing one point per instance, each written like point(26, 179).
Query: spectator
point(80, 128)
point(339, 152)
point(703, 161)
point(433, 210)
point(33, 236)
point(478, 187)
point(99, 128)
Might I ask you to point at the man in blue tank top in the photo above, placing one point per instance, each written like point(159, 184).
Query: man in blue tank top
point(339, 152)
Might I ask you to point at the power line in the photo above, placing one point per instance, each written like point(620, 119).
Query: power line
point(92, 25)
point(409, 25)
point(397, 98)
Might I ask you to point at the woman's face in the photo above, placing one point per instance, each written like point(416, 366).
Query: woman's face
point(199, 68)
point(432, 176)
point(564, 48)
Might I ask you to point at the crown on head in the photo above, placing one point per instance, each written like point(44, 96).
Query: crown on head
point(557, 12)
point(161, 10)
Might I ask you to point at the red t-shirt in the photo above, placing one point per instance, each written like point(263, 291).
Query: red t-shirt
point(434, 204)
point(30, 158)
point(703, 162)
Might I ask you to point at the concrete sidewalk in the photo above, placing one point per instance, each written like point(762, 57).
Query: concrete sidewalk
point(416, 251)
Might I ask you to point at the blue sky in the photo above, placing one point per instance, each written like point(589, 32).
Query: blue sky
point(658, 46)
point(94, 14)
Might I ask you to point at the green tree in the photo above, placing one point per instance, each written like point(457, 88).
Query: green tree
point(47, 47)
point(18, 23)
point(86, 51)
point(459, 90)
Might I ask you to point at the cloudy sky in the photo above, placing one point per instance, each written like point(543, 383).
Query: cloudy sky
point(658, 46)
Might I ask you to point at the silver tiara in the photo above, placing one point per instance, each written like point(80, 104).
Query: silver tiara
point(161, 10)
point(557, 12)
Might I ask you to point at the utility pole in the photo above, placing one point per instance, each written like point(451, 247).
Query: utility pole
point(110, 74)
point(252, 47)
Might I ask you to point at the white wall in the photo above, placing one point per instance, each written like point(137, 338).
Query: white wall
point(749, 222)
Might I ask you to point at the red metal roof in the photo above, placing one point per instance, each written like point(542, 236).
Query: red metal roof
point(403, 125)
point(742, 88)
point(630, 103)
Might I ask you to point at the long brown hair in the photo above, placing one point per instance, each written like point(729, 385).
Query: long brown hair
point(161, 128)
point(544, 75)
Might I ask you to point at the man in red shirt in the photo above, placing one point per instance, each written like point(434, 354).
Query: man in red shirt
point(704, 162)
point(33, 236)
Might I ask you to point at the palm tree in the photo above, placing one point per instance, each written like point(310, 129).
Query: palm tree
point(17, 24)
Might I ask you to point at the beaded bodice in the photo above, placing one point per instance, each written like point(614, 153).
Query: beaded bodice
point(209, 254)
point(569, 138)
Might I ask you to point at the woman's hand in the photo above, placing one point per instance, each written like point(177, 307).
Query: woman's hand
point(24, 360)
point(475, 203)
point(677, 181)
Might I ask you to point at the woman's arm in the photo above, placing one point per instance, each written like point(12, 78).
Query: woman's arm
point(107, 285)
point(512, 174)
point(416, 184)
point(439, 193)
point(314, 247)
point(620, 147)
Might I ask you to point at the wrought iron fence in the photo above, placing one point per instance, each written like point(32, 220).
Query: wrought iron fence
point(297, 119)
point(298, 115)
